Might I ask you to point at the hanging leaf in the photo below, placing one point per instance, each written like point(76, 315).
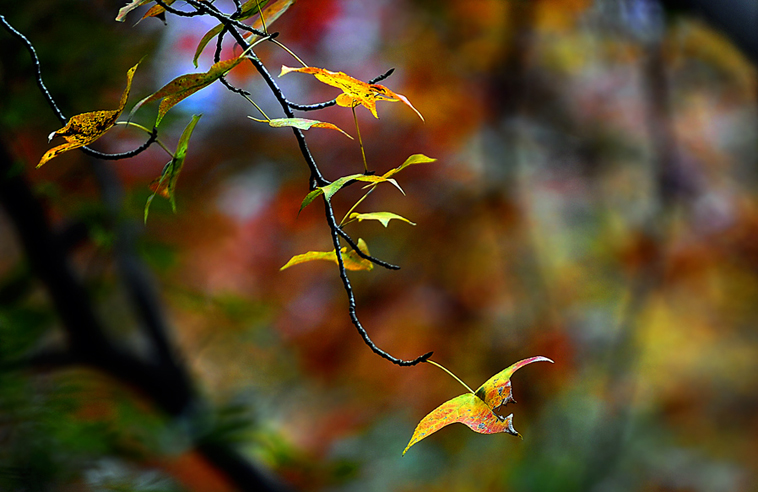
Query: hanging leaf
point(466, 409)
point(185, 85)
point(332, 188)
point(414, 159)
point(303, 124)
point(129, 7)
point(249, 9)
point(354, 91)
point(350, 259)
point(383, 217)
point(85, 128)
point(476, 410)
point(166, 184)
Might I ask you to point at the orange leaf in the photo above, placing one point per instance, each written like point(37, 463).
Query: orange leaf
point(85, 128)
point(354, 92)
point(157, 10)
point(466, 409)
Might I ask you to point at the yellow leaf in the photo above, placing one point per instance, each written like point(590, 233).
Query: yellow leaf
point(85, 128)
point(414, 159)
point(383, 217)
point(351, 259)
point(354, 92)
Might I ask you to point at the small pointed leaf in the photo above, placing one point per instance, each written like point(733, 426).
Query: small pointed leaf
point(165, 186)
point(414, 159)
point(383, 217)
point(85, 128)
point(332, 188)
point(305, 124)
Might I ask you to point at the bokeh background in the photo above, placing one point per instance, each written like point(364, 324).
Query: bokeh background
point(595, 201)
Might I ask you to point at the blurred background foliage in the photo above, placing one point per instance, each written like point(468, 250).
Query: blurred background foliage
point(595, 201)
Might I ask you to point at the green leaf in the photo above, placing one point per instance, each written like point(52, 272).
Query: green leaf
point(185, 85)
point(351, 260)
point(166, 184)
point(383, 217)
point(414, 159)
point(465, 409)
point(303, 124)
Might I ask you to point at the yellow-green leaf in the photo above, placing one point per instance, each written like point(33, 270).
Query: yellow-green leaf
point(185, 85)
point(414, 159)
point(383, 217)
point(304, 124)
point(465, 409)
point(85, 128)
point(351, 259)
point(332, 188)
point(354, 92)
point(497, 391)
point(166, 184)
point(129, 7)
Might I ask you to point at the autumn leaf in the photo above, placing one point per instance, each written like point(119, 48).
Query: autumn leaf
point(185, 85)
point(270, 15)
point(303, 124)
point(475, 409)
point(354, 92)
point(166, 184)
point(350, 259)
point(249, 9)
point(383, 217)
point(466, 409)
point(414, 159)
point(85, 128)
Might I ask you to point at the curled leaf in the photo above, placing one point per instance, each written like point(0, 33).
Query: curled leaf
point(304, 124)
point(383, 217)
point(350, 259)
point(496, 391)
point(158, 11)
point(129, 7)
point(354, 92)
point(185, 85)
point(85, 128)
point(466, 409)
point(166, 184)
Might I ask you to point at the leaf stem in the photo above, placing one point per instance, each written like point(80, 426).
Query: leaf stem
point(250, 100)
point(453, 375)
point(360, 140)
point(342, 222)
point(282, 46)
point(149, 132)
